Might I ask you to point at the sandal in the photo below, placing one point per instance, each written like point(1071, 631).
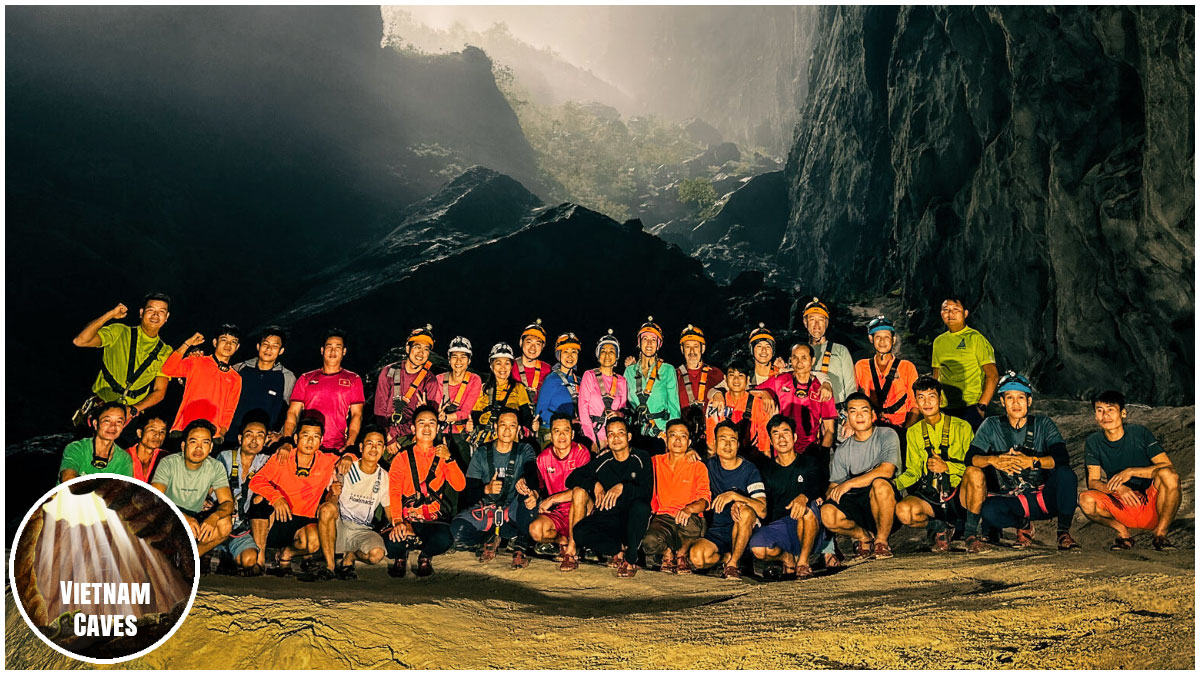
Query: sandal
point(424, 567)
point(254, 570)
point(345, 572)
point(732, 573)
point(669, 566)
point(1122, 544)
point(626, 570)
point(569, 563)
point(520, 561)
point(488, 553)
point(832, 562)
point(882, 550)
point(320, 574)
point(616, 561)
point(1066, 542)
point(803, 572)
point(1161, 543)
point(683, 565)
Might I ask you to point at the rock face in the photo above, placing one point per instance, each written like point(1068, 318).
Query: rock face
point(1038, 161)
point(745, 233)
point(151, 146)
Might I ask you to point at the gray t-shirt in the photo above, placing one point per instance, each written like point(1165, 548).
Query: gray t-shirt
point(853, 457)
point(188, 488)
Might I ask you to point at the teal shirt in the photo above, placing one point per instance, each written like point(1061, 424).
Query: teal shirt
point(78, 457)
point(664, 395)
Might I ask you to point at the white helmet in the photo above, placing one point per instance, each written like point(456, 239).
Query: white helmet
point(501, 350)
point(459, 344)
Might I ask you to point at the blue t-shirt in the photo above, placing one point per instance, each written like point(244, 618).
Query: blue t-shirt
point(744, 480)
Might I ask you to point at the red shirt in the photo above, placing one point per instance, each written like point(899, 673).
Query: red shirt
point(302, 493)
point(143, 476)
point(532, 377)
point(210, 393)
point(696, 385)
point(554, 471)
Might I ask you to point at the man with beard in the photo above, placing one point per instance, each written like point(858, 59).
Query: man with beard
point(188, 477)
point(1018, 471)
point(680, 498)
point(602, 392)
point(740, 501)
point(406, 385)
point(213, 386)
point(132, 357)
point(147, 451)
point(795, 486)
point(652, 385)
point(247, 540)
point(421, 514)
point(937, 451)
point(365, 488)
point(965, 363)
point(560, 392)
point(555, 465)
point(610, 503)
point(291, 490)
point(266, 384)
point(335, 393)
point(861, 499)
point(98, 454)
point(528, 369)
point(699, 382)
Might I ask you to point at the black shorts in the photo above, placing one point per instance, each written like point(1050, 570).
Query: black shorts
point(856, 506)
point(283, 534)
point(721, 537)
point(200, 516)
point(947, 512)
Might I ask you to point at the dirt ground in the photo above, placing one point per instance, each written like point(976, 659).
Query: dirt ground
point(1036, 608)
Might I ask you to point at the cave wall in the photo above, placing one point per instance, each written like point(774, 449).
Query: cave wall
point(1036, 160)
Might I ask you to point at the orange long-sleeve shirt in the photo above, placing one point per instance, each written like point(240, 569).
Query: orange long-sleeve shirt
point(210, 393)
point(400, 480)
point(303, 493)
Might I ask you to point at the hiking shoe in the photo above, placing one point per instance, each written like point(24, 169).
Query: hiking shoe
point(683, 565)
point(626, 570)
point(1161, 543)
point(1066, 542)
point(803, 572)
point(732, 573)
point(424, 567)
point(863, 551)
point(547, 549)
point(1122, 544)
point(976, 544)
point(520, 561)
point(882, 550)
point(941, 541)
point(569, 563)
point(345, 572)
point(1024, 537)
point(319, 574)
point(399, 568)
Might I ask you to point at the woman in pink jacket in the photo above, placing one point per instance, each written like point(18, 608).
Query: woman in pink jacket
point(602, 392)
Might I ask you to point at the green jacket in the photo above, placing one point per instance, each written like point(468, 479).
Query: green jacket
point(663, 401)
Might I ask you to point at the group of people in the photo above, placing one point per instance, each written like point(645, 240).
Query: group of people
point(680, 469)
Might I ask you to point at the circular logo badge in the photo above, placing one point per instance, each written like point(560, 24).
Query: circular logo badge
point(104, 568)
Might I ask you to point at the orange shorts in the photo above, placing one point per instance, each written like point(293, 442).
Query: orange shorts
point(1144, 517)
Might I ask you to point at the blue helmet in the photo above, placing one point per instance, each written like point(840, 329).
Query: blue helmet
point(1014, 382)
point(880, 323)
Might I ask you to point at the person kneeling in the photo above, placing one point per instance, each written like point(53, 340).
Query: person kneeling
point(861, 500)
point(187, 478)
point(740, 501)
point(1141, 491)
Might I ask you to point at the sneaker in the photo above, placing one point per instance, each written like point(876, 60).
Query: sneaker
point(732, 573)
point(399, 568)
point(520, 561)
point(1024, 537)
point(773, 570)
point(882, 550)
point(1066, 542)
point(976, 544)
point(546, 549)
point(424, 567)
point(1161, 543)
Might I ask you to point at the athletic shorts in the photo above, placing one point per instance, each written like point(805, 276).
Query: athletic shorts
point(721, 537)
point(782, 534)
point(356, 538)
point(1144, 517)
point(283, 534)
point(561, 517)
point(200, 516)
point(856, 506)
point(947, 512)
point(235, 545)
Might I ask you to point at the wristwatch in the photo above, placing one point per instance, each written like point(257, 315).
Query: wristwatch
point(1037, 463)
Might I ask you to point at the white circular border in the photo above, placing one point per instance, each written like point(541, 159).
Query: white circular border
point(12, 560)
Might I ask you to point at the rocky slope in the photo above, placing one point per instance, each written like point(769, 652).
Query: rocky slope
point(1037, 161)
point(150, 146)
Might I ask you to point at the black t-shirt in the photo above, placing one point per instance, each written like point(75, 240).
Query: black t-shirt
point(636, 472)
point(1133, 450)
point(808, 474)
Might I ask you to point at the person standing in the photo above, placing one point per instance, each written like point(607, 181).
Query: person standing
point(965, 363)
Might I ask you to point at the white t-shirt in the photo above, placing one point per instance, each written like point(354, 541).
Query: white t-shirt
point(362, 493)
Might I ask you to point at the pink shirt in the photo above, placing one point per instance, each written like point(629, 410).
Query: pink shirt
point(802, 403)
point(591, 402)
point(554, 471)
point(384, 394)
point(466, 393)
point(332, 396)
